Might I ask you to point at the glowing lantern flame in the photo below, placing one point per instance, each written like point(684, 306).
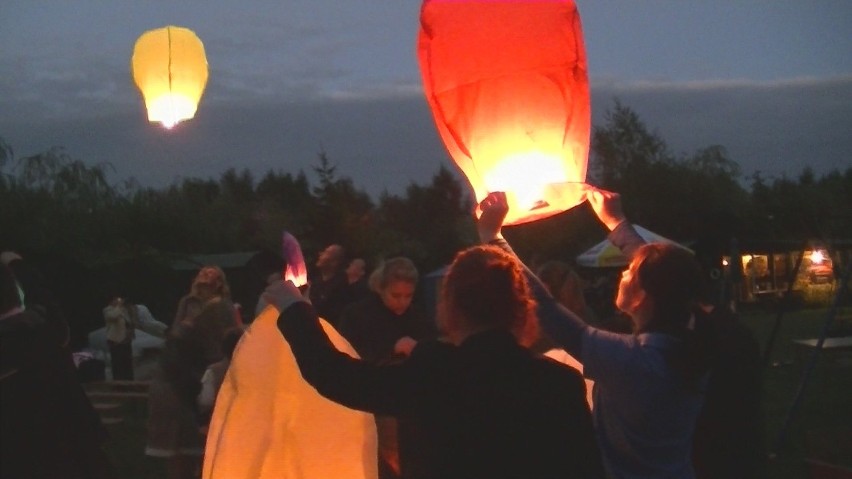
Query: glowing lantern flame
point(817, 257)
point(508, 88)
point(170, 68)
point(295, 271)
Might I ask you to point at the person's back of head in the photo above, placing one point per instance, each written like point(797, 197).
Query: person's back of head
point(485, 288)
point(671, 277)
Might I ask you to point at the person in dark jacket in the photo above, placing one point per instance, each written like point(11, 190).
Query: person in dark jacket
point(48, 428)
point(484, 404)
point(384, 328)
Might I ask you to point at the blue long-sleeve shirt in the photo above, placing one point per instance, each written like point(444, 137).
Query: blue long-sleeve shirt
point(644, 415)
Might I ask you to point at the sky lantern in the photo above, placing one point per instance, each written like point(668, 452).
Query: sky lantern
point(508, 87)
point(295, 269)
point(170, 69)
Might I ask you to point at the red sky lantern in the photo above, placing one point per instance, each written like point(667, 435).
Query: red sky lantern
point(508, 87)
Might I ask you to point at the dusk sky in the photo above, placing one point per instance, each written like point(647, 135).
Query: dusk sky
point(769, 80)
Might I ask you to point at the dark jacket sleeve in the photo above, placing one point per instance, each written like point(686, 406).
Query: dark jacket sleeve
point(337, 376)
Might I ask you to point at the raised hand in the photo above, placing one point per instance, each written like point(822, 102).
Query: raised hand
point(282, 294)
point(494, 208)
point(607, 205)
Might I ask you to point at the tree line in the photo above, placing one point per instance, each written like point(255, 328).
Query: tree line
point(61, 210)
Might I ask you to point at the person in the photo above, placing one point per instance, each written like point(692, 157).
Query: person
point(356, 287)
point(193, 342)
point(269, 423)
point(36, 294)
point(327, 287)
point(47, 425)
point(728, 440)
point(384, 328)
point(564, 284)
point(208, 286)
point(122, 318)
point(648, 384)
point(484, 405)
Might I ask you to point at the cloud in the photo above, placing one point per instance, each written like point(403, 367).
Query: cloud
point(384, 137)
point(775, 127)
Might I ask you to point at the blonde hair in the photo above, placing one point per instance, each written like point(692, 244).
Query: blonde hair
point(220, 282)
point(391, 271)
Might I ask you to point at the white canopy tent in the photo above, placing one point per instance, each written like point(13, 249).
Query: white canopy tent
point(607, 255)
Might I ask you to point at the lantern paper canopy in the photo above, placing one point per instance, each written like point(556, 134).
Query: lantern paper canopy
point(508, 88)
point(269, 423)
point(170, 68)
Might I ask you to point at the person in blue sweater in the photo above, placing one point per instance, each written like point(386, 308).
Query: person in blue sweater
point(649, 384)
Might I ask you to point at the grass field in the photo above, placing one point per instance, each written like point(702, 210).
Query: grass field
point(821, 428)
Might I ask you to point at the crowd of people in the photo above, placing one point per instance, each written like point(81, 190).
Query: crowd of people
point(517, 376)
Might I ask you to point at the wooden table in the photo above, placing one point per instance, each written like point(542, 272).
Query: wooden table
point(833, 345)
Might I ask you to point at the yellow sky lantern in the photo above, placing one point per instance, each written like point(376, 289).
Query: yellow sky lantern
point(508, 87)
point(170, 68)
